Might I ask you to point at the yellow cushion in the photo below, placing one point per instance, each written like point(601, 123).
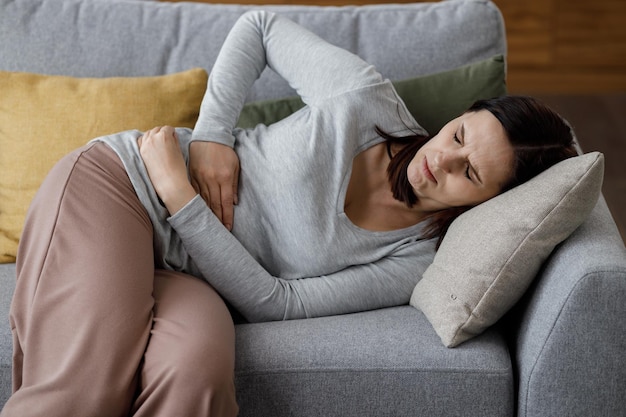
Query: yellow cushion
point(43, 117)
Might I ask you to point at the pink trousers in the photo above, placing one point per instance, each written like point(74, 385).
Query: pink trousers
point(97, 330)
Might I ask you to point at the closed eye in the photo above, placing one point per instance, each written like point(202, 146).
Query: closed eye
point(458, 140)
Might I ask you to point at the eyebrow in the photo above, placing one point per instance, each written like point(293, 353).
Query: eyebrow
point(462, 134)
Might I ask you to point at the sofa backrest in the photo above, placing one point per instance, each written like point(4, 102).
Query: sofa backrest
point(97, 38)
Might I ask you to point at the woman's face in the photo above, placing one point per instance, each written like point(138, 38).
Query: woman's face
point(466, 163)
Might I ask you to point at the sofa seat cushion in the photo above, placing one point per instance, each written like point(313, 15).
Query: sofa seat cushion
point(7, 286)
point(381, 363)
point(386, 362)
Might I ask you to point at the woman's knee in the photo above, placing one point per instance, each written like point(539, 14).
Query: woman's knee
point(190, 355)
point(192, 325)
point(204, 355)
point(199, 371)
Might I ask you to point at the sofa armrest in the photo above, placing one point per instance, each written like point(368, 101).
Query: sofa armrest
point(570, 334)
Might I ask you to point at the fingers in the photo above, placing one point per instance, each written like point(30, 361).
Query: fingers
point(215, 174)
point(221, 200)
point(167, 131)
point(228, 209)
point(214, 199)
point(236, 188)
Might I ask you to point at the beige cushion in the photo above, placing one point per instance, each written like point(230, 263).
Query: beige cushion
point(43, 117)
point(492, 253)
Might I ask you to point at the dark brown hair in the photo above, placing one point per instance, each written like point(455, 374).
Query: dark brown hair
point(539, 136)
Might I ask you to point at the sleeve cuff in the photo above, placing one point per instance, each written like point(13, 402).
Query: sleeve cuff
point(188, 217)
point(213, 136)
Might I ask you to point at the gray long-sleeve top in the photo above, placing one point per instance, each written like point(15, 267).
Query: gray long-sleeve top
point(293, 252)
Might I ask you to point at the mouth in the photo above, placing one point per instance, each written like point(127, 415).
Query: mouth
point(427, 172)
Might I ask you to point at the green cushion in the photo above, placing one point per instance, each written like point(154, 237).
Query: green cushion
point(433, 99)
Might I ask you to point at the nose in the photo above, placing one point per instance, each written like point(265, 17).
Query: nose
point(450, 161)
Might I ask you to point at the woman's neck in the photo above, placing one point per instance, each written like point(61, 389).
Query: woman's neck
point(369, 201)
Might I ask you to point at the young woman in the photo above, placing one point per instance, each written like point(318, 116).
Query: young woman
point(339, 208)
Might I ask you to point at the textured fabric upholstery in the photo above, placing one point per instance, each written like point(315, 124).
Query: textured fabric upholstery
point(382, 363)
point(7, 285)
point(129, 38)
point(569, 331)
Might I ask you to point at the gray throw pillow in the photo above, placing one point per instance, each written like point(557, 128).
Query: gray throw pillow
point(491, 253)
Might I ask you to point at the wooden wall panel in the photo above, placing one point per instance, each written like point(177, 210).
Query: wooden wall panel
point(566, 46)
point(555, 46)
point(529, 28)
point(591, 33)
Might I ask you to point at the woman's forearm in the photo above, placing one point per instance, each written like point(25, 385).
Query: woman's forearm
point(230, 269)
point(259, 296)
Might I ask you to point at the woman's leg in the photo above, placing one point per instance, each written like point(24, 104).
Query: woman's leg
point(82, 310)
point(189, 364)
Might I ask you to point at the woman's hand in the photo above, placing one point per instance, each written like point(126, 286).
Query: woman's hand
point(160, 151)
point(214, 170)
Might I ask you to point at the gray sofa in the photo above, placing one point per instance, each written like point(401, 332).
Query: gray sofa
point(559, 352)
